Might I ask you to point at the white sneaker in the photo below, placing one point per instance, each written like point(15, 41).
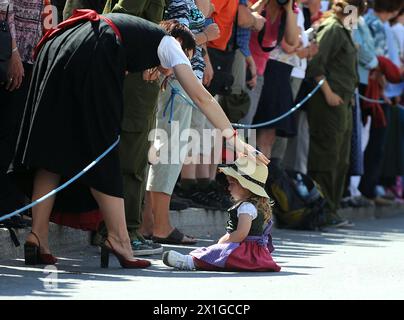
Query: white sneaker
point(177, 260)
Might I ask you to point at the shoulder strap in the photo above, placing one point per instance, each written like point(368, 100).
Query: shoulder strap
point(282, 28)
point(281, 33)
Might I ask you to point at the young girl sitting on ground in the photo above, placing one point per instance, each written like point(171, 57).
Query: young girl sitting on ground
point(247, 245)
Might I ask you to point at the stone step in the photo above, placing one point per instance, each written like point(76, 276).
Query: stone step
point(199, 223)
point(375, 212)
point(196, 222)
point(61, 239)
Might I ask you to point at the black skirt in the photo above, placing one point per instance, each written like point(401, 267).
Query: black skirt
point(277, 99)
point(73, 113)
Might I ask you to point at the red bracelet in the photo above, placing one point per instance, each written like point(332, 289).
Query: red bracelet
point(235, 133)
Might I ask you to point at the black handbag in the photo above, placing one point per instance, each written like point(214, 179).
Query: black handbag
point(222, 63)
point(5, 48)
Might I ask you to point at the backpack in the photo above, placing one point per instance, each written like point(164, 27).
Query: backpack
point(292, 210)
point(235, 106)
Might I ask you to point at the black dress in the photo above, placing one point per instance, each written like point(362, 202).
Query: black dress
point(75, 104)
point(277, 99)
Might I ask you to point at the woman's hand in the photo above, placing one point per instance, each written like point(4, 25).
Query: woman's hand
point(252, 83)
point(302, 52)
point(151, 75)
point(212, 32)
point(208, 73)
point(244, 149)
point(387, 100)
point(333, 99)
point(313, 49)
point(259, 22)
point(15, 72)
point(254, 154)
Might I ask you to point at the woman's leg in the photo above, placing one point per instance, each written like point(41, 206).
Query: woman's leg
point(265, 141)
point(44, 182)
point(113, 211)
point(161, 205)
point(160, 208)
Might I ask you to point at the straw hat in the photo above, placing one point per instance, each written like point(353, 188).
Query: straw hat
point(249, 174)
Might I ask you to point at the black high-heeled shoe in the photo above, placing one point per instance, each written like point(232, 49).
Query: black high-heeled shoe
point(33, 255)
point(125, 263)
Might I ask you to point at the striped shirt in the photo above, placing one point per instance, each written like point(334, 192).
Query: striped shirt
point(187, 13)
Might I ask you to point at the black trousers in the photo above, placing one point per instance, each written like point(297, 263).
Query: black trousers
point(374, 158)
point(11, 110)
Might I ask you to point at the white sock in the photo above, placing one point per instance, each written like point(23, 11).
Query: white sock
point(190, 262)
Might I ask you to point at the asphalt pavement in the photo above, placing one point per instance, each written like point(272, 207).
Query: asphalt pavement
point(363, 262)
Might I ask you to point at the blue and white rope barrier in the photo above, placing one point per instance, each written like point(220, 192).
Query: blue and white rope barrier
point(64, 185)
point(295, 108)
point(370, 100)
point(176, 91)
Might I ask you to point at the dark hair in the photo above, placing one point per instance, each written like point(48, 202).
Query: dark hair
point(394, 20)
point(339, 6)
point(181, 32)
point(387, 5)
point(360, 4)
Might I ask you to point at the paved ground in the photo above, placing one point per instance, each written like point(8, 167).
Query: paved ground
point(366, 262)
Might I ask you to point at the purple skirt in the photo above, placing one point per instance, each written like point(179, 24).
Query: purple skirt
point(253, 254)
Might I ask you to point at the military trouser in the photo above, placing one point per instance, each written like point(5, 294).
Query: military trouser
point(140, 100)
point(140, 103)
point(330, 146)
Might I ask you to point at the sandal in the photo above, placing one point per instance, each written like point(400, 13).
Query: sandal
point(175, 237)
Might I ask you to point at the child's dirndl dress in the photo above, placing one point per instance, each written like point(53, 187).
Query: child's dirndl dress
point(252, 254)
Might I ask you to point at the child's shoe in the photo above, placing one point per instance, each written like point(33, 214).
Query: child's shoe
point(177, 260)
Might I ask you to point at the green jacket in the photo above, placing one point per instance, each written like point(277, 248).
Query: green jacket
point(151, 10)
point(97, 5)
point(337, 57)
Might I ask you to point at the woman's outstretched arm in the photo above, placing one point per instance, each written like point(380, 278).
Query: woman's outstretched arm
point(211, 108)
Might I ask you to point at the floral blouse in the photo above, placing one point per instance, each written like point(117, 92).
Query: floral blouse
point(25, 21)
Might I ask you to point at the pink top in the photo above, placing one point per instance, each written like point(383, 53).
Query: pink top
point(271, 36)
point(270, 39)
